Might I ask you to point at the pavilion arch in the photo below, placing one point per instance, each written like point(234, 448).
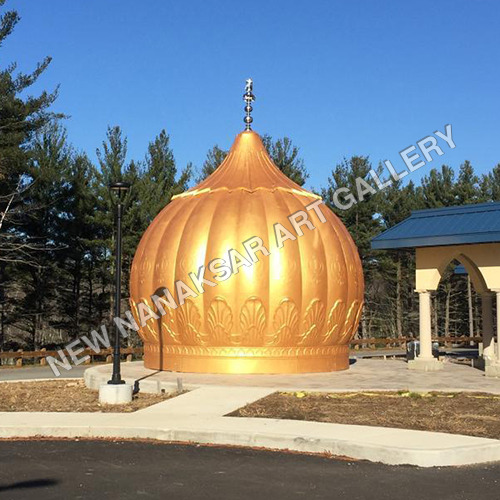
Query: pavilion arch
point(482, 262)
point(473, 271)
point(469, 234)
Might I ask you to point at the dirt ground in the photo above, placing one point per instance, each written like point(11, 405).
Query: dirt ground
point(474, 414)
point(65, 396)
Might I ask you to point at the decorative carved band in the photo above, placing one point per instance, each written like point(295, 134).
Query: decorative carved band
point(319, 327)
point(258, 352)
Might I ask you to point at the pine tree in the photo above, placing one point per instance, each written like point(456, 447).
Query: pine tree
point(467, 185)
point(285, 156)
point(153, 183)
point(83, 238)
point(360, 218)
point(42, 223)
point(21, 117)
point(490, 185)
point(437, 189)
point(159, 180)
point(215, 157)
point(111, 158)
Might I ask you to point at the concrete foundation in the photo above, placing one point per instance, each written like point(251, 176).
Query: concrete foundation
point(425, 365)
point(115, 394)
point(492, 369)
point(364, 375)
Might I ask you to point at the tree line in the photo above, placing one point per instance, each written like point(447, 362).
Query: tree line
point(56, 221)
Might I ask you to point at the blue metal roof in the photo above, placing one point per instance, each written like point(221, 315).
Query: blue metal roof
point(444, 226)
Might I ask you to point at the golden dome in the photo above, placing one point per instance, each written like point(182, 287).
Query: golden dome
point(295, 310)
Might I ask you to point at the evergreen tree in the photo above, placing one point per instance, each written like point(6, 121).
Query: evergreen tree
point(285, 156)
point(21, 117)
point(360, 218)
point(490, 185)
point(159, 181)
point(467, 186)
point(83, 238)
point(112, 168)
point(215, 157)
point(153, 183)
point(112, 156)
point(437, 189)
point(42, 228)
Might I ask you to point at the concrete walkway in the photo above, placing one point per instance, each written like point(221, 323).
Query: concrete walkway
point(198, 417)
point(364, 374)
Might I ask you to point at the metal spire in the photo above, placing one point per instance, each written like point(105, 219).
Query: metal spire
point(248, 97)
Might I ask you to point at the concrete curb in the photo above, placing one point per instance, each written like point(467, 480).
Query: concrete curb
point(373, 444)
point(197, 417)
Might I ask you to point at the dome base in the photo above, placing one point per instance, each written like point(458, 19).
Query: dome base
point(197, 359)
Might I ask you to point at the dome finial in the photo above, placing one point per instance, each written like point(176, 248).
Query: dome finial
point(248, 97)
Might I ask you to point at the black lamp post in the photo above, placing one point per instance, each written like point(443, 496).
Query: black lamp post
point(120, 188)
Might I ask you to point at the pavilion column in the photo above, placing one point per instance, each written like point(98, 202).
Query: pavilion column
point(424, 301)
point(425, 361)
point(498, 326)
point(487, 317)
point(492, 366)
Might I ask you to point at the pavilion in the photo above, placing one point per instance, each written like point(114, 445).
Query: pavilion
point(469, 234)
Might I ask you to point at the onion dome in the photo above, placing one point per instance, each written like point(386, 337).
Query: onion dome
point(288, 304)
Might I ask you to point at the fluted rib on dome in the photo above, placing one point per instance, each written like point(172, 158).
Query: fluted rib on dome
point(247, 167)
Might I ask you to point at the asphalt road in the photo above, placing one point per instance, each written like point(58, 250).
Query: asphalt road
point(105, 469)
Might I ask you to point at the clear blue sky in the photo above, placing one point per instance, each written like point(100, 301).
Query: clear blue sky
point(338, 77)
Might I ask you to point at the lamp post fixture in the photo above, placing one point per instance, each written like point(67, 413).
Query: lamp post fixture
point(120, 188)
